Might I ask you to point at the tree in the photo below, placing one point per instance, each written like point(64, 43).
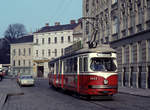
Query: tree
point(14, 31)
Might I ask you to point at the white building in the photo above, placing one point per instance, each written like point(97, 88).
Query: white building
point(49, 43)
point(22, 55)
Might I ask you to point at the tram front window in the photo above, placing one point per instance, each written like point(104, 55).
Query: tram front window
point(102, 64)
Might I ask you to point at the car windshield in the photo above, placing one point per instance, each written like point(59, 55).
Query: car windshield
point(103, 64)
point(26, 77)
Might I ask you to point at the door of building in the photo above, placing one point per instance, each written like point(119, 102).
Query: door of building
point(40, 71)
point(139, 76)
point(131, 77)
point(148, 76)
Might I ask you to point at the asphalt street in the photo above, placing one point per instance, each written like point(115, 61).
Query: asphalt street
point(43, 97)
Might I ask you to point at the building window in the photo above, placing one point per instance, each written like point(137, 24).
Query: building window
point(148, 24)
point(62, 51)
point(87, 28)
point(49, 40)
point(114, 1)
point(93, 3)
point(37, 41)
point(29, 51)
point(14, 52)
point(149, 50)
point(125, 55)
point(49, 52)
point(14, 63)
point(148, 3)
point(24, 62)
point(24, 51)
point(139, 51)
point(19, 63)
point(42, 40)
point(139, 28)
point(87, 5)
point(55, 52)
point(62, 39)
point(69, 39)
point(123, 48)
point(29, 63)
point(132, 53)
point(43, 53)
point(115, 26)
point(19, 52)
point(37, 53)
point(131, 30)
point(55, 40)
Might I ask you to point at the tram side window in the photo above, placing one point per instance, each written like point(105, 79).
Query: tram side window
point(71, 65)
point(57, 67)
point(85, 64)
point(61, 67)
point(65, 66)
point(75, 64)
point(80, 65)
point(52, 69)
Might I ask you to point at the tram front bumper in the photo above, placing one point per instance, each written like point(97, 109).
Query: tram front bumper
point(101, 90)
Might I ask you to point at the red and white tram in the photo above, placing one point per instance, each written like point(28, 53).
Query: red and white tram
point(87, 71)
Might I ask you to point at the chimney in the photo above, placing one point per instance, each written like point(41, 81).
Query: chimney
point(72, 21)
point(79, 20)
point(57, 23)
point(46, 24)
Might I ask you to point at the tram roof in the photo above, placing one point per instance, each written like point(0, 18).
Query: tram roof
point(99, 49)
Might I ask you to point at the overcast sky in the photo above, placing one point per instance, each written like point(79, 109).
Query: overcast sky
point(35, 13)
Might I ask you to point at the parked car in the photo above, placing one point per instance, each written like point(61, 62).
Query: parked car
point(2, 73)
point(25, 80)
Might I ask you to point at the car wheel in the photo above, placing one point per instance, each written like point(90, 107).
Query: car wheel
point(0, 78)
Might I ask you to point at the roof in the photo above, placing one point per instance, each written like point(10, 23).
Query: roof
point(100, 49)
point(57, 28)
point(24, 39)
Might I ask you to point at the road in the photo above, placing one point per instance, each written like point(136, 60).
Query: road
point(43, 97)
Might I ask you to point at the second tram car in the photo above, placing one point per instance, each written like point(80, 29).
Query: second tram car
point(87, 72)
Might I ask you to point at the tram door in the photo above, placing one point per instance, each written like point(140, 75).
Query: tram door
point(148, 76)
point(139, 76)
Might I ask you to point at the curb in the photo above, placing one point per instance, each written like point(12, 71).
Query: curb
point(3, 98)
point(134, 94)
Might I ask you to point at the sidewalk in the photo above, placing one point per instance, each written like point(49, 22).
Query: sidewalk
point(8, 87)
point(135, 91)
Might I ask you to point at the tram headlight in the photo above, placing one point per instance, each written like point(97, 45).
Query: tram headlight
point(105, 82)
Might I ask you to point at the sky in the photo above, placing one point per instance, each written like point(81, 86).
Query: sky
point(33, 14)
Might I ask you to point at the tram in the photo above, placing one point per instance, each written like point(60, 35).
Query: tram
point(88, 72)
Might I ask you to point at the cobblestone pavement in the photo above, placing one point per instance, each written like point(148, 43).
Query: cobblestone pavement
point(42, 97)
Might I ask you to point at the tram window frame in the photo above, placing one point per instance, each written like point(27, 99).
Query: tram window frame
point(52, 68)
point(60, 67)
point(57, 67)
point(85, 64)
point(75, 64)
point(65, 66)
point(80, 64)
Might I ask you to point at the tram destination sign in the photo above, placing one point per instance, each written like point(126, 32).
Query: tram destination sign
point(103, 55)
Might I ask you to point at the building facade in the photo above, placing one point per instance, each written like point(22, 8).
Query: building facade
point(22, 56)
point(50, 42)
point(125, 25)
